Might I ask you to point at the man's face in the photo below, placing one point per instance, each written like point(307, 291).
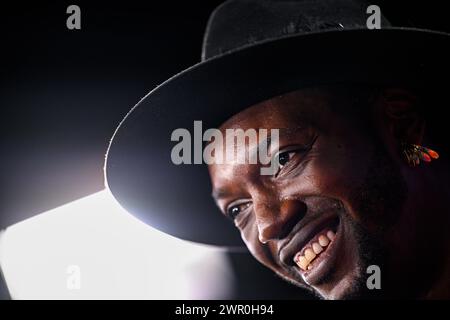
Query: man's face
point(318, 220)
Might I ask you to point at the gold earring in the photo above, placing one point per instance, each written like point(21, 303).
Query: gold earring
point(413, 153)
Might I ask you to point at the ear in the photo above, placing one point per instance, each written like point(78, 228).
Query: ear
point(398, 117)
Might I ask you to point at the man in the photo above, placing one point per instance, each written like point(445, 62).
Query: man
point(355, 187)
point(343, 197)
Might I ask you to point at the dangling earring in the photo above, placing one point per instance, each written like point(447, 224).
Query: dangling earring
point(413, 153)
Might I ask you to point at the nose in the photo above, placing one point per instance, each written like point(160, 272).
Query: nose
point(275, 222)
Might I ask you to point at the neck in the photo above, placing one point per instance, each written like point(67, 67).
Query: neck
point(420, 238)
point(438, 218)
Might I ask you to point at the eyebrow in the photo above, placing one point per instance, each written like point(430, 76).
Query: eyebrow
point(282, 131)
point(220, 193)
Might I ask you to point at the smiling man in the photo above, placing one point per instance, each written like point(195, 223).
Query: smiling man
point(344, 196)
point(355, 185)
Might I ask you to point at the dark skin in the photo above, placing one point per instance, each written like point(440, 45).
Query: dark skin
point(343, 174)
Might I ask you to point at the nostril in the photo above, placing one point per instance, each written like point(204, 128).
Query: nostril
point(269, 229)
point(293, 206)
point(278, 223)
point(291, 212)
point(262, 239)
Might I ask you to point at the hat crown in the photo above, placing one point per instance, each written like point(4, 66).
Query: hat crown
point(239, 23)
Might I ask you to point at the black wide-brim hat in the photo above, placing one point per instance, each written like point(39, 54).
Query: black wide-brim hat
point(253, 51)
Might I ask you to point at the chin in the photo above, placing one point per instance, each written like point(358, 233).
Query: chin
point(340, 272)
point(349, 287)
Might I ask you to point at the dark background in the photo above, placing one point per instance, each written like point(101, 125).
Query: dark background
point(63, 92)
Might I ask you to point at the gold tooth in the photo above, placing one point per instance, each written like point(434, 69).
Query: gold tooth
point(303, 262)
point(309, 254)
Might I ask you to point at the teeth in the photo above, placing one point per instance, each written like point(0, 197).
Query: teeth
point(331, 235)
point(323, 240)
point(317, 248)
point(311, 253)
point(303, 262)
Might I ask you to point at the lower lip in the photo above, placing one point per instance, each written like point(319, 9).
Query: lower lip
point(324, 263)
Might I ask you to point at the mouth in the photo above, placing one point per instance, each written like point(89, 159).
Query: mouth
point(312, 251)
point(310, 254)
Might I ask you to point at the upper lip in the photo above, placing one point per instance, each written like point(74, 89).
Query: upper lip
point(302, 234)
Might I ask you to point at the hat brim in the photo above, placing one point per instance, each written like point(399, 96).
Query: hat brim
point(176, 199)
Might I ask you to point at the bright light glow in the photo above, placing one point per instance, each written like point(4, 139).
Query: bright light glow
point(93, 249)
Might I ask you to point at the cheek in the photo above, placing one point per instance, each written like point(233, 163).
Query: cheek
point(343, 169)
point(342, 165)
point(336, 169)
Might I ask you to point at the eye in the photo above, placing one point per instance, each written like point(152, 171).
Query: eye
point(234, 210)
point(283, 159)
point(286, 157)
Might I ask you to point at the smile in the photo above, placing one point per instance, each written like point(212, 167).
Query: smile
point(314, 249)
point(312, 252)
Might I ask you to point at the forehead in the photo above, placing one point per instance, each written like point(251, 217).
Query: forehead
point(306, 106)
